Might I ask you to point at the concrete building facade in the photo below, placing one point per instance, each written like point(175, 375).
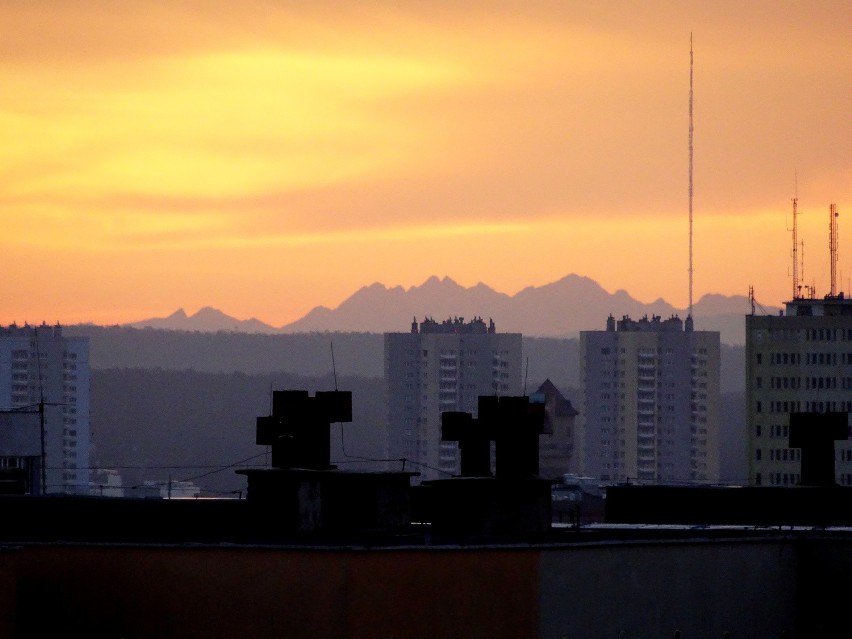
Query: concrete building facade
point(438, 367)
point(651, 402)
point(796, 362)
point(42, 370)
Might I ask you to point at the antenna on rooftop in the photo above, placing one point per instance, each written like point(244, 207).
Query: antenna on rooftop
point(690, 173)
point(41, 414)
point(832, 246)
point(809, 290)
point(333, 366)
point(795, 241)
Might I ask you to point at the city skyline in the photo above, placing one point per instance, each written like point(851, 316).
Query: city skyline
point(266, 160)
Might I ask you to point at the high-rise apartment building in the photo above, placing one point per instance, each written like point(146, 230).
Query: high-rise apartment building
point(42, 369)
point(796, 362)
point(438, 367)
point(650, 402)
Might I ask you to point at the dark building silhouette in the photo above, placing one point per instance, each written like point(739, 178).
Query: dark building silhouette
point(318, 552)
point(815, 434)
point(438, 367)
point(309, 494)
point(514, 501)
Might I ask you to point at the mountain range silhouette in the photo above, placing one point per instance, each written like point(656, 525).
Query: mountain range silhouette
point(559, 309)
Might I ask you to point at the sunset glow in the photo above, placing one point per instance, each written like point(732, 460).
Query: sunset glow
point(267, 158)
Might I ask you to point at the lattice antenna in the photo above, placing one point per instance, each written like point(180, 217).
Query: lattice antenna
point(795, 242)
point(832, 246)
point(690, 172)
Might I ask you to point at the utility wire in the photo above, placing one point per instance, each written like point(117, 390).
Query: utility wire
point(223, 468)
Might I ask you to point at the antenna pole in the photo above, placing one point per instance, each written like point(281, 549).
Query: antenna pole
point(333, 367)
point(43, 455)
point(690, 172)
point(795, 244)
point(41, 415)
point(832, 246)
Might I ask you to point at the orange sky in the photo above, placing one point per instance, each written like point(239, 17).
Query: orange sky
point(267, 157)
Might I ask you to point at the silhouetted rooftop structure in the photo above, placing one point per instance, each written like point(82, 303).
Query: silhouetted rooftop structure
point(818, 501)
point(815, 434)
point(307, 493)
point(656, 323)
point(453, 325)
point(318, 553)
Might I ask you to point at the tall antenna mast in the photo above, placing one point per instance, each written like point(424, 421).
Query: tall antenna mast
point(690, 173)
point(809, 290)
point(795, 242)
point(832, 246)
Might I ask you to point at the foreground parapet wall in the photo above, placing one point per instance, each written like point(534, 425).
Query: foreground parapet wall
point(770, 585)
point(736, 505)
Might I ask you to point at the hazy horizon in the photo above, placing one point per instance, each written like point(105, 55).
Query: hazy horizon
point(192, 311)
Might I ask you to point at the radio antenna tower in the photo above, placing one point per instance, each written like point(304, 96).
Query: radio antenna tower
point(832, 246)
point(690, 173)
point(795, 242)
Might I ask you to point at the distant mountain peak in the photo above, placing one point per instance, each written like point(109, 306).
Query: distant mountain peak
point(208, 312)
point(434, 281)
point(562, 308)
point(206, 319)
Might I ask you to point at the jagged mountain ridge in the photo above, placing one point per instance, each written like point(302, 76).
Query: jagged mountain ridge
point(207, 319)
point(559, 309)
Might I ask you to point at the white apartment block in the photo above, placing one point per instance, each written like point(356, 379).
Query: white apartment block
point(438, 367)
point(651, 402)
point(41, 367)
point(796, 362)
